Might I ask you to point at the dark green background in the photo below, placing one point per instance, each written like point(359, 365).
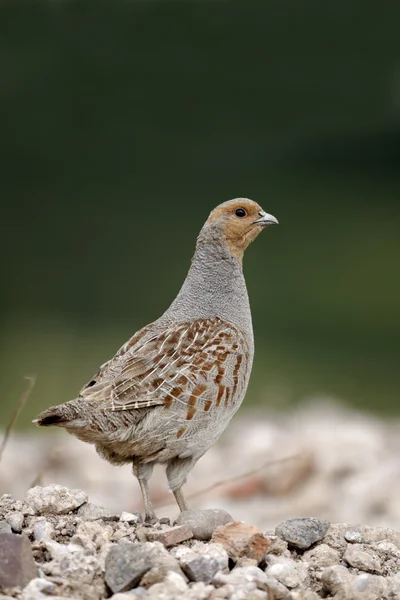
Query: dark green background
point(125, 123)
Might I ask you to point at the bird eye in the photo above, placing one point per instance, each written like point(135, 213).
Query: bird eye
point(240, 212)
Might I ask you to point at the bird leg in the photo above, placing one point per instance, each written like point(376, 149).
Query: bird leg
point(180, 498)
point(143, 474)
point(177, 472)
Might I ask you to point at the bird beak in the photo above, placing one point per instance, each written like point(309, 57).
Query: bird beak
point(266, 219)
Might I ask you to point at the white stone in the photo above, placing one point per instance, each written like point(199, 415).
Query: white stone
point(285, 570)
point(54, 499)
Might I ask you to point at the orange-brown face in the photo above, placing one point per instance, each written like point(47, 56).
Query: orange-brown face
point(240, 221)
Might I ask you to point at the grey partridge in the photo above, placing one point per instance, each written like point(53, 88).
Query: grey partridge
point(170, 391)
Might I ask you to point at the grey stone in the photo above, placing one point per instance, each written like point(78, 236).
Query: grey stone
point(125, 565)
point(5, 527)
point(362, 558)
point(203, 523)
point(42, 529)
point(54, 499)
point(302, 532)
point(16, 521)
point(17, 566)
point(353, 536)
point(93, 512)
point(201, 568)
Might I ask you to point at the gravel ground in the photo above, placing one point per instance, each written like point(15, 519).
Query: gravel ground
point(56, 544)
point(315, 517)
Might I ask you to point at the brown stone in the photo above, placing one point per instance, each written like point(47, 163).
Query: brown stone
point(17, 566)
point(241, 540)
point(170, 536)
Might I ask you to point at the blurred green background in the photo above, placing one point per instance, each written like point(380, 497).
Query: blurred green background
point(125, 123)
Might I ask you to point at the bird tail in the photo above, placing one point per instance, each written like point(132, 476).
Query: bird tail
point(61, 415)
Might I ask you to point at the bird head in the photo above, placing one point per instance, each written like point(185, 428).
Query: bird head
point(238, 222)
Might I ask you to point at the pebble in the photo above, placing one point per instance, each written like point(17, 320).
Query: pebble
point(54, 499)
point(353, 536)
point(16, 521)
point(5, 527)
point(132, 518)
point(335, 579)
point(201, 568)
point(210, 551)
point(93, 512)
point(125, 566)
point(241, 540)
point(171, 536)
point(38, 588)
point(290, 573)
point(203, 523)
point(321, 556)
point(303, 532)
point(42, 529)
point(362, 558)
point(127, 563)
point(17, 566)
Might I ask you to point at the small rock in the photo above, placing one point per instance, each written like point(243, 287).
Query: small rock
point(170, 536)
point(353, 536)
point(240, 576)
point(17, 566)
point(172, 588)
point(127, 517)
point(97, 532)
point(278, 546)
point(125, 566)
point(369, 587)
point(5, 527)
point(131, 595)
point(127, 563)
point(290, 573)
point(362, 558)
point(16, 521)
point(303, 532)
point(336, 579)
point(321, 556)
point(209, 550)
point(54, 499)
point(42, 529)
point(201, 568)
point(93, 512)
point(203, 523)
point(242, 540)
point(38, 588)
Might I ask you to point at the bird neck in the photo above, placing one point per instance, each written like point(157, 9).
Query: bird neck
point(214, 287)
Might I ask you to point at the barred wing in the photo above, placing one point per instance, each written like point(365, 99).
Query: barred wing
point(200, 364)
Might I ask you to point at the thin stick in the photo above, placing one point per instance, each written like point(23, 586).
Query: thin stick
point(20, 405)
point(217, 484)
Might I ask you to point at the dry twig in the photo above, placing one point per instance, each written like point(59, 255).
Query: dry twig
point(217, 484)
point(20, 405)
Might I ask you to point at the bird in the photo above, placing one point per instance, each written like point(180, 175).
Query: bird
point(170, 391)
